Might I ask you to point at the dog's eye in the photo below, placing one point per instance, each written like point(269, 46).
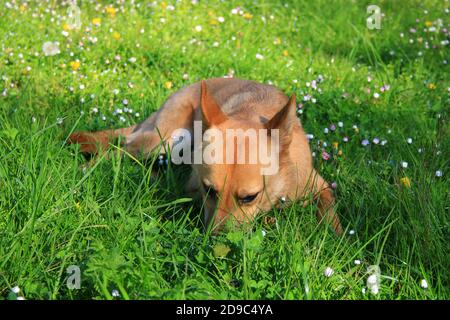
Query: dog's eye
point(248, 199)
point(210, 191)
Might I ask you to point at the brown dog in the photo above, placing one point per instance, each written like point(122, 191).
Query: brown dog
point(232, 189)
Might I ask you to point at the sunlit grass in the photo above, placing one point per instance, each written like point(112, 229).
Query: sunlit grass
point(140, 236)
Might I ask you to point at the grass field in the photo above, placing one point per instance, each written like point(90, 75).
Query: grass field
point(376, 101)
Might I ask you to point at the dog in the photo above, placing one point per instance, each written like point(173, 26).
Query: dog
point(231, 191)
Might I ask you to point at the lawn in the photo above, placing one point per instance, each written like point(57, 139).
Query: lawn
point(375, 103)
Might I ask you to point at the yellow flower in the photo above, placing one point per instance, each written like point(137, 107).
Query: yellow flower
point(168, 85)
point(335, 145)
point(431, 86)
point(96, 21)
point(428, 23)
point(116, 35)
point(75, 65)
point(277, 41)
point(111, 11)
point(340, 153)
point(66, 27)
point(163, 5)
point(78, 206)
point(405, 182)
point(22, 8)
point(285, 53)
point(247, 16)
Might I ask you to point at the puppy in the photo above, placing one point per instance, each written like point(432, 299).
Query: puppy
point(231, 189)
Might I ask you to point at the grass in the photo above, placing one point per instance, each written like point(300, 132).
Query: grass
point(142, 236)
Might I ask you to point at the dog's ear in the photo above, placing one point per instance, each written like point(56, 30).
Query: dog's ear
point(212, 114)
point(284, 121)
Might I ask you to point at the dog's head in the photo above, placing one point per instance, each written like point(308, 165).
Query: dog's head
point(247, 171)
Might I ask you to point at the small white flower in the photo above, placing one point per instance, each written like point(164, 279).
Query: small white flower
point(376, 95)
point(357, 262)
point(132, 60)
point(340, 124)
point(363, 290)
point(438, 173)
point(115, 293)
point(221, 19)
point(50, 48)
point(404, 164)
point(328, 272)
point(374, 289)
point(373, 281)
point(424, 284)
point(263, 232)
point(351, 232)
point(198, 28)
point(20, 298)
point(16, 289)
point(259, 56)
point(409, 140)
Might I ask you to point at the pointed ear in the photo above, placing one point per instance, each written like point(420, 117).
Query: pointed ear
point(285, 118)
point(212, 114)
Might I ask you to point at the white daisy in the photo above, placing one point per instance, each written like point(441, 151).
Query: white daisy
point(328, 272)
point(50, 48)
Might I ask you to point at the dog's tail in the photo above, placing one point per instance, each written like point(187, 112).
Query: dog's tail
point(97, 141)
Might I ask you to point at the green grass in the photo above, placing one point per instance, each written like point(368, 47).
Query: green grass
point(142, 236)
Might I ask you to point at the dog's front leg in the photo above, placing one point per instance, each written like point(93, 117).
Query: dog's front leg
point(326, 202)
